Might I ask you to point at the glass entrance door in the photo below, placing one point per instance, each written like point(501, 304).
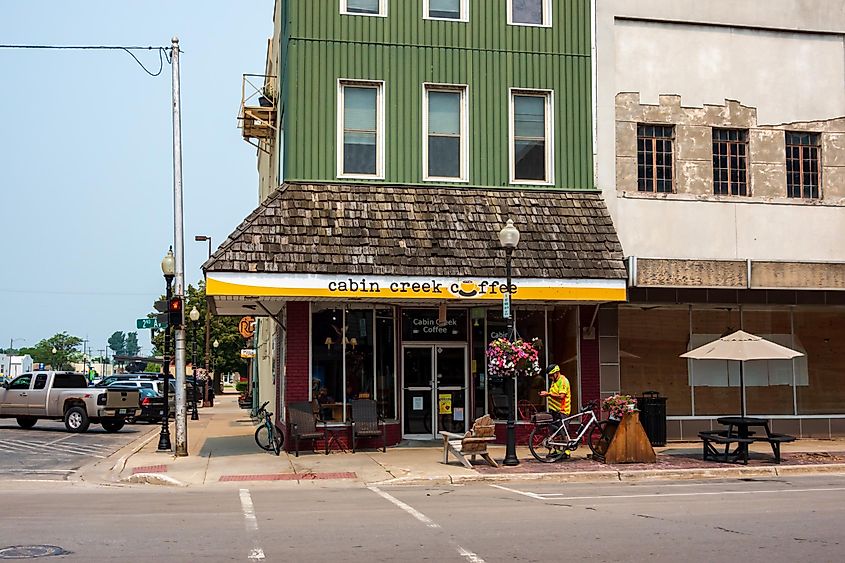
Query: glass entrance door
point(435, 380)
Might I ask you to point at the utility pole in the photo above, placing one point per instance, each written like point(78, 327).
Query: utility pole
point(179, 252)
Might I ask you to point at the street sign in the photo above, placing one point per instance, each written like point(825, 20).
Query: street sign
point(149, 323)
point(506, 305)
point(247, 353)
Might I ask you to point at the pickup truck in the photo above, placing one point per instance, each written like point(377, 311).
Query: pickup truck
point(65, 396)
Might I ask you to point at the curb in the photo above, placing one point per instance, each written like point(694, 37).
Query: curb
point(153, 479)
point(620, 475)
point(124, 453)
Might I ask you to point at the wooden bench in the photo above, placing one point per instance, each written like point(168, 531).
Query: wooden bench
point(473, 443)
point(710, 452)
point(775, 440)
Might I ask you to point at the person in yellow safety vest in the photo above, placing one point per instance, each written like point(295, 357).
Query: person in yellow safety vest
point(558, 395)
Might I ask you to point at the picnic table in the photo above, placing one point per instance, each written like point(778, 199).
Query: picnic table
point(739, 432)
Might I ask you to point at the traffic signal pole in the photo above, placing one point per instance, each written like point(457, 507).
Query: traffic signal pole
point(179, 252)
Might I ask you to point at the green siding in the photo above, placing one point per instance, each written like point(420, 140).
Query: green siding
point(405, 51)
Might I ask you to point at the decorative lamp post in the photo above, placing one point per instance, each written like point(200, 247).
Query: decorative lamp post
point(168, 268)
point(509, 238)
point(53, 361)
point(194, 315)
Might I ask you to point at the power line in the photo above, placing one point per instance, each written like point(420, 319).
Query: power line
point(163, 52)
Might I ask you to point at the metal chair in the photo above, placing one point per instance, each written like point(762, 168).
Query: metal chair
point(366, 421)
point(303, 426)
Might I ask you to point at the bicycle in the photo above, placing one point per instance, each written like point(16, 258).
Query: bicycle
point(267, 436)
point(550, 440)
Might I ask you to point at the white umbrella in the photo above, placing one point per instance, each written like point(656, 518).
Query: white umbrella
point(742, 347)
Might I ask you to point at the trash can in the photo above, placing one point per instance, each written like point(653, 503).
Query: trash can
point(653, 416)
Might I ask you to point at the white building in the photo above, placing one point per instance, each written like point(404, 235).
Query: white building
point(12, 366)
point(721, 156)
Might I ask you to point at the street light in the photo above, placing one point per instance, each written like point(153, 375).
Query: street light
point(205, 403)
point(194, 315)
point(214, 366)
point(509, 238)
point(168, 268)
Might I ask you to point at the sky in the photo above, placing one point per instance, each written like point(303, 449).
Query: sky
point(86, 166)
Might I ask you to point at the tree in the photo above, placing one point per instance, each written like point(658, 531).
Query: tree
point(227, 357)
point(117, 342)
point(65, 351)
point(131, 347)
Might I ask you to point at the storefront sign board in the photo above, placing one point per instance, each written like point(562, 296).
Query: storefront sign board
point(421, 325)
point(375, 288)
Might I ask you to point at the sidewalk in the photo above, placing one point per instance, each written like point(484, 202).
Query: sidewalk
point(222, 452)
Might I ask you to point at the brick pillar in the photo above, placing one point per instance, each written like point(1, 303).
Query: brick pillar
point(589, 350)
point(297, 353)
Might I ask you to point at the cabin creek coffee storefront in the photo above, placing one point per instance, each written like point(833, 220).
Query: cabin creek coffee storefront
point(408, 327)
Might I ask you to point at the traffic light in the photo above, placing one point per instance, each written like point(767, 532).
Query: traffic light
point(163, 308)
point(174, 311)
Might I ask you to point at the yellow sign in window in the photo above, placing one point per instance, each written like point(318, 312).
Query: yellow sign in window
point(445, 403)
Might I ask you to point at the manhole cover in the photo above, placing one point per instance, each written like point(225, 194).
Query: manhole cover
point(30, 551)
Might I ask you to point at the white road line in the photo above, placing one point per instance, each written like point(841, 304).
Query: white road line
point(409, 509)
point(37, 471)
point(554, 496)
point(251, 524)
point(524, 493)
point(466, 554)
point(19, 444)
point(469, 556)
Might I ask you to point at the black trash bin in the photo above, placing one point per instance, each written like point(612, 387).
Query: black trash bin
point(653, 416)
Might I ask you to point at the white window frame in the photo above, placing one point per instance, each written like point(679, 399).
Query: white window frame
point(380, 128)
point(464, 17)
point(382, 10)
point(547, 15)
point(549, 95)
point(463, 89)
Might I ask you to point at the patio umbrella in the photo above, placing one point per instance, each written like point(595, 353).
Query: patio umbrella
point(742, 347)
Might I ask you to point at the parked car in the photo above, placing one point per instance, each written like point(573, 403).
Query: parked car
point(65, 396)
point(150, 404)
point(106, 381)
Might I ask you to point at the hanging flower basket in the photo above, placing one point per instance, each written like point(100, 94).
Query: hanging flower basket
point(513, 358)
point(619, 405)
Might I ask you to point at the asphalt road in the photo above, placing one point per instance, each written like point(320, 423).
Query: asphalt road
point(749, 520)
point(48, 452)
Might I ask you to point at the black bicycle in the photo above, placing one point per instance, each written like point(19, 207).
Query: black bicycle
point(267, 436)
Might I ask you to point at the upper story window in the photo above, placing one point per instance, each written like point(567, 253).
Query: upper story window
point(531, 137)
point(457, 10)
point(360, 129)
point(530, 12)
point(364, 7)
point(802, 165)
point(730, 162)
point(445, 125)
point(654, 158)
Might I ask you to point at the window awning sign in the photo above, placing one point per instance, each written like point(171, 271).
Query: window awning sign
point(388, 288)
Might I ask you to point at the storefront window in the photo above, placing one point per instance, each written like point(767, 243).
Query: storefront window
point(350, 360)
point(531, 324)
point(768, 383)
point(360, 382)
point(562, 348)
point(478, 363)
point(327, 361)
point(386, 364)
point(820, 375)
point(651, 340)
point(716, 382)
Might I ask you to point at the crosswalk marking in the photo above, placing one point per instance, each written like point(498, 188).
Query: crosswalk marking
point(57, 448)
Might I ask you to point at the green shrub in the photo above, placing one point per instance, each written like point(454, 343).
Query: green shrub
point(241, 386)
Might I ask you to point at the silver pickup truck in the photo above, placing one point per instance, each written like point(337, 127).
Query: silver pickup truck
point(65, 396)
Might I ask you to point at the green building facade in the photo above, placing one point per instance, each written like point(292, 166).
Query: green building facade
point(491, 93)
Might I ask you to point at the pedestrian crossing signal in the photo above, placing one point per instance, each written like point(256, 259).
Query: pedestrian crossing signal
point(174, 310)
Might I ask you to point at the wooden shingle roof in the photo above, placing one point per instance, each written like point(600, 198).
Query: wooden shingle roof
point(421, 231)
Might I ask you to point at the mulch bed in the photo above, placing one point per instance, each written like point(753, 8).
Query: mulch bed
point(680, 460)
